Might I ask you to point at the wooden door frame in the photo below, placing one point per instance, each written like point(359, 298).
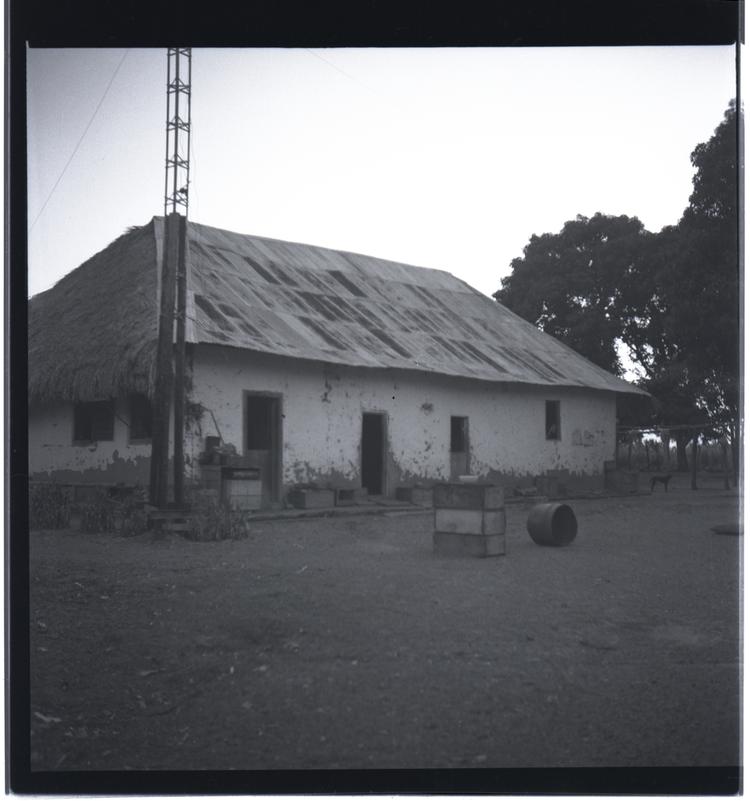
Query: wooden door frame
point(277, 438)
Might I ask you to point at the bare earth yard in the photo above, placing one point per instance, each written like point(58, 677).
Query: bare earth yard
point(346, 643)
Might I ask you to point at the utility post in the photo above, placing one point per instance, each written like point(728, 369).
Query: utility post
point(163, 389)
point(179, 363)
point(169, 385)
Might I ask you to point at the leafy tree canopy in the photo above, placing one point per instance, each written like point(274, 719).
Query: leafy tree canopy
point(672, 298)
point(575, 284)
point(703, 277)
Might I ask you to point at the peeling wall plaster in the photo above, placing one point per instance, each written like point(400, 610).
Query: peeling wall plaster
point(54, 457)
point(322, 408)
point(52, 454)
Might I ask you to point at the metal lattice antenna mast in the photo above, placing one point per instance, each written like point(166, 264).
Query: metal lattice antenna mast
point(169, 381)
point(177, 175)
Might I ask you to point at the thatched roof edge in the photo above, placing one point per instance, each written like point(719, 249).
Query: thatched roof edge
point(93, 334)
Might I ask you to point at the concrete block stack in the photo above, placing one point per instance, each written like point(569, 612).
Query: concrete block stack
point(469, 519)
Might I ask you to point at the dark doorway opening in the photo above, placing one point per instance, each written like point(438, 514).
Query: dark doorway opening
point(373, 453)
point(459, 447)
point(552, 419)
point(263, 442)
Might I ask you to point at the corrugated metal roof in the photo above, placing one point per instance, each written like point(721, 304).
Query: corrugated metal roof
point(311, 302)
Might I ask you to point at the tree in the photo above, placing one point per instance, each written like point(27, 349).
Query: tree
point(702, 283)
point(672, 298)
point(573, 284)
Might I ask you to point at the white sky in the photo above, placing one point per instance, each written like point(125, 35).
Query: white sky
point(445, 158)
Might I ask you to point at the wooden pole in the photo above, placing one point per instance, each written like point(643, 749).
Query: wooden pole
point(163, 385)
point(179, 370)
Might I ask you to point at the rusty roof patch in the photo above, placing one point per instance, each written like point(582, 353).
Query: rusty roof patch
point(446, 345)
point(482, 357)
point(283, 274)
point(321, 332)
point(205, 305)
point(262, 272)
point(345, 282)
point(390, 342)
point(368, 312)
point(230, 311)
point(317, 303)
point(250, 329)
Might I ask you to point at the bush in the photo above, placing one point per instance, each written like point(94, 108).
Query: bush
point(49, 506)
point(52, 506)
point(118, 510)
point(212, 520)
point(133, 516)
point(98, 514)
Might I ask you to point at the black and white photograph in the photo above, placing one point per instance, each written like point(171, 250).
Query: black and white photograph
point(383, 409)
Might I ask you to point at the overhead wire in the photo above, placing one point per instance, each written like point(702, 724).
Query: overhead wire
point(396, 106)
point(80, 140)
point(338, 69)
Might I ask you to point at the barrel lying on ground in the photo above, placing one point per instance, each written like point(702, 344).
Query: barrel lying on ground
point(469, 520)
point(552, 524)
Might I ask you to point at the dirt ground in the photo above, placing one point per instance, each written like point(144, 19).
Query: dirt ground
point(346, 643)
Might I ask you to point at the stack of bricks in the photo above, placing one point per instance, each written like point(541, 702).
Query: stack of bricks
point(419, 496)
point(469, 520)
point(312, 498)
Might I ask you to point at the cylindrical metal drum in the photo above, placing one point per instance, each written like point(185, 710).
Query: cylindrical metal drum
point(552, 524)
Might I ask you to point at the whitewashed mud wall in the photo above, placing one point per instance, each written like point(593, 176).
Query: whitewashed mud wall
point(53, 456)
point(322, 408)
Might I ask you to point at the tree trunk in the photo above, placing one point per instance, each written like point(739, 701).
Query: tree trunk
point(734, 443)
point(683, 439)
point(725, 462)
point(648, 456)
point(665, 439)
point(630, 454)
point(694, 467)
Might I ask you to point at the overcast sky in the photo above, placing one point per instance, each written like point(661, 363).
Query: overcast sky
point(445, 158)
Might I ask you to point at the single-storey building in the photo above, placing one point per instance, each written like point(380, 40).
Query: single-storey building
point(318, 366)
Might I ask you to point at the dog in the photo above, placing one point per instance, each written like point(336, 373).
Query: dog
point(660, 480)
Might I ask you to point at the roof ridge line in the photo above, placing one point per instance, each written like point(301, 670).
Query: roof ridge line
point(339, 251)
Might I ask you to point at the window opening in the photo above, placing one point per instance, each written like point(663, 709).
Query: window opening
point(140, 417)
point(94, 421)
point(260, 422)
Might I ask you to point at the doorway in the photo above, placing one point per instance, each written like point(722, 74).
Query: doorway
point(263, 443)
point(373, 452)
point(459, 447)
